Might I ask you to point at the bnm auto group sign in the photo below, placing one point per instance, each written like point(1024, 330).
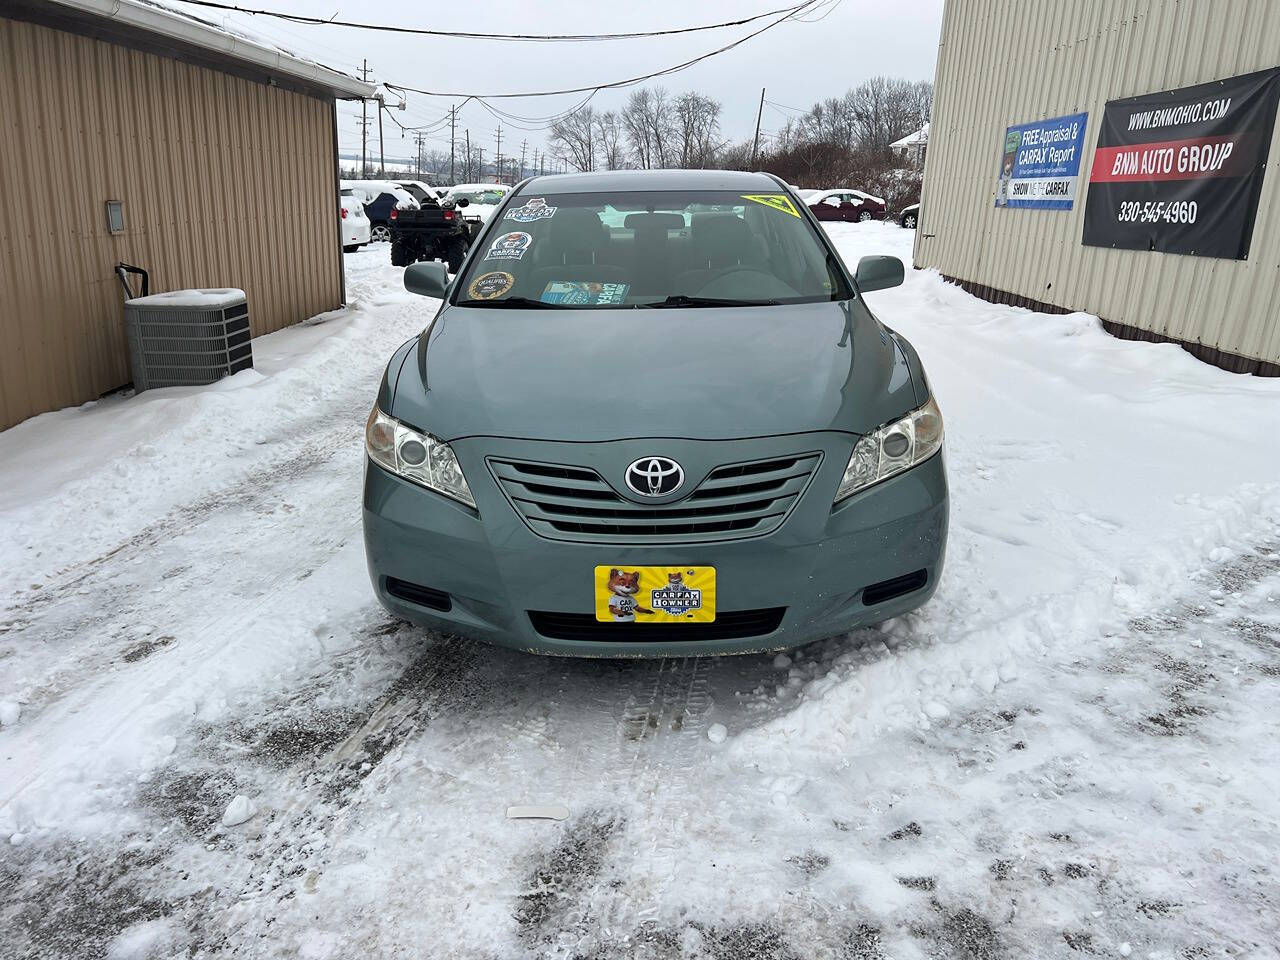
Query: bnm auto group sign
point(1181, 171)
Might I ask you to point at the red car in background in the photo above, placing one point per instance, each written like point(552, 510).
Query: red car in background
point(844, 204)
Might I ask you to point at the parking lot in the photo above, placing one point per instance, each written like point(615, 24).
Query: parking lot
point(188, 619)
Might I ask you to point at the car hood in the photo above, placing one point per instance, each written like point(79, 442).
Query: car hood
point(709, 373)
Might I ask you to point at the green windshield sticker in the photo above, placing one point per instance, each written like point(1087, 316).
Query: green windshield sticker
point(775, 201)
point(578, 292)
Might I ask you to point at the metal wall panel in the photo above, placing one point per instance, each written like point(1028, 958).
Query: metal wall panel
point(1004, 62)
point(225, 183)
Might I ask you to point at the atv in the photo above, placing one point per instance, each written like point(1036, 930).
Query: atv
point(434, 231)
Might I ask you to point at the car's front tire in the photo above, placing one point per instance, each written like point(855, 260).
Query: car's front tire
point(909, 221)
point(865, 215)
point(351, 248)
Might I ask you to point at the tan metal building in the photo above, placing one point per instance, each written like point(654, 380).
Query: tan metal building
point(1006, 62)
point(222, 152)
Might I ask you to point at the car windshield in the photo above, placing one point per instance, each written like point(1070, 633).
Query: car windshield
point(490, 197)
point(646, 249)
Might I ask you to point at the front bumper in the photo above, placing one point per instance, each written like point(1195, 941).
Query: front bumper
point(496, 570)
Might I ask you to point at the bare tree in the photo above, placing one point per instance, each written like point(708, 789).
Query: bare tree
point(574, 138)
point(635, 123)
point(435, 161)
point(870, 116)
point(697, 129)
point(609, 130)
point(651, 128)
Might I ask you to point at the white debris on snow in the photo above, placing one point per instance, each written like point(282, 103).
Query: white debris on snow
point(717, 732)
point(240, 810)
point(10, 710)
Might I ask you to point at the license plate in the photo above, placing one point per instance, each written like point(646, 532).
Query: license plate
point(629, 594)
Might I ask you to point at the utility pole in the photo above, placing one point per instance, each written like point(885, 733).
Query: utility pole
point(524, 145)
point(498, 166)
point(453, 116)
point(418, 165)
point(467, 173)
point(364, 123)
point(480, 165)
point(382, 152)
point(755, 147)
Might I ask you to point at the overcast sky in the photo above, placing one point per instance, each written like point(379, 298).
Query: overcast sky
point(797, 62)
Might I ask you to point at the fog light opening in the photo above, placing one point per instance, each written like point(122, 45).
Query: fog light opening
point(891, 589)
point(418, 594)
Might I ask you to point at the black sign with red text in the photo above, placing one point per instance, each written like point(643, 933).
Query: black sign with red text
point(1181, 171)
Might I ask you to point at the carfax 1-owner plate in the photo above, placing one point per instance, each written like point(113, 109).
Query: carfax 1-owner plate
point(630, 594)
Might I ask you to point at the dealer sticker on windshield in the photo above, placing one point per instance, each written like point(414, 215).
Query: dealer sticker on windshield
point(774, 201)
point(509, 246)
point(655, 594)
point(584, 293)
point(534, 208)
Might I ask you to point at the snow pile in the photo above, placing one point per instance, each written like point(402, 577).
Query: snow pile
point(211, 299)
point(368, 191)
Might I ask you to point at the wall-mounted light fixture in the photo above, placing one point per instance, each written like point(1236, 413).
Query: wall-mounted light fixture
point(115, 217)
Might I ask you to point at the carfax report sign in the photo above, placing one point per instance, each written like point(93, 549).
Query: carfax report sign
point(1181, 171)
point(1041, 163)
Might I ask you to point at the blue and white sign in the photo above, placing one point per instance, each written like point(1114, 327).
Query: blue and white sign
point(1041, 164)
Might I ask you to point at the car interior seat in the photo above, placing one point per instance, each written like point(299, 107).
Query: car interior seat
point(651, 259)
point(574, 249)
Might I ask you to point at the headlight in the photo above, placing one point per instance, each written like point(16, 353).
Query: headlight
point(893, 448)
point(418, 457)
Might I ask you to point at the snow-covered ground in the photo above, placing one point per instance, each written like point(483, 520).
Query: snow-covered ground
point(1071, 751)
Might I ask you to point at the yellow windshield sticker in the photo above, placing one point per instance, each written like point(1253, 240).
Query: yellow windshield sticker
point(777, 201)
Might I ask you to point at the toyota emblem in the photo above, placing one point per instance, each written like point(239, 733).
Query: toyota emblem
point(655, 476)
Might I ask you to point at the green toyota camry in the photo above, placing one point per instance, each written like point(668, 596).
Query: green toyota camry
point(654, 416)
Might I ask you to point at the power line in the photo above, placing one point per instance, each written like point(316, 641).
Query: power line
point(507, 37)
point(788, 15)
point(775, 103)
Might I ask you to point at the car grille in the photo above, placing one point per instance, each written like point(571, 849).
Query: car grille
point(733, 625)
point(735, 501)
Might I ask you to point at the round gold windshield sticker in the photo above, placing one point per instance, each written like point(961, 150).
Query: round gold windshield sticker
point(490, 286)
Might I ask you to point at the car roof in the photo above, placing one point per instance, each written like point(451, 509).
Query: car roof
point(622, 181)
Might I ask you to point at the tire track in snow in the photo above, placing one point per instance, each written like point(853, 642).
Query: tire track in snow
point(104, 606)
point(324, 794)
point(657, 743)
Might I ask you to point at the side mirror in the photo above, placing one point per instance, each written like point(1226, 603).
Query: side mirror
point(874, 273)
point(462, 202)
point(432, 280)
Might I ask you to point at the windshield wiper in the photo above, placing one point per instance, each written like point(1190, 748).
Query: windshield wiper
point(680, 300)
point(524, 303)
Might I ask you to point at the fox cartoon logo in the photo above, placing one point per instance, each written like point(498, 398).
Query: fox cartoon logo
point(623, 587)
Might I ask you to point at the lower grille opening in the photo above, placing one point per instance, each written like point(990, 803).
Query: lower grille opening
point(734, 625)
point(416, 593)
point(897, 587)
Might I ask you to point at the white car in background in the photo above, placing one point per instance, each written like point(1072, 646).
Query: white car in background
point(381, 199)
point(355, 225)
point(482, 199)
point(421, 191)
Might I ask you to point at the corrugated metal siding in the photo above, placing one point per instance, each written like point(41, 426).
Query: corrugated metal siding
point(225, 183)
point(1004, 62)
